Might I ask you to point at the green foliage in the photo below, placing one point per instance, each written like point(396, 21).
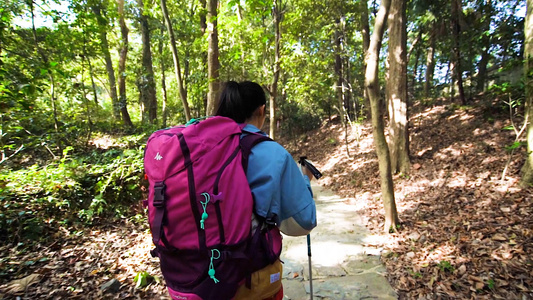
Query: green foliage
point(298, 119)
point(445, 266)
point(142, 279)
point(71, 190)
point(515, 146)
point(491, 284)
point(416, 275)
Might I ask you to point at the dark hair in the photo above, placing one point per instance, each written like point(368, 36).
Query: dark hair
point(238, 101)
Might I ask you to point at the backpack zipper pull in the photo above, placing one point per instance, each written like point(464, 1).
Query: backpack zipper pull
point(204, 206)
point(211, 271)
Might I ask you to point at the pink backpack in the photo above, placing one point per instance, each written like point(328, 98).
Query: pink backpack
point(200, 209)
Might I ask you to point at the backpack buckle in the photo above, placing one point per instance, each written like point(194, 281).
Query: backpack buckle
point(159, 194)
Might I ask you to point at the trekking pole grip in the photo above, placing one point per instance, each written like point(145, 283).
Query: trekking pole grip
point(305, 163)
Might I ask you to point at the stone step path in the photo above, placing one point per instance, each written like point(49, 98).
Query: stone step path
point(345, 264)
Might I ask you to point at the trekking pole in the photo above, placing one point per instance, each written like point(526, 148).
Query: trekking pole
point(310, 270)
point(305, 163)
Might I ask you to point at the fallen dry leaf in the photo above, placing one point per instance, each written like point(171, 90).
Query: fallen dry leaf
point(20, 285)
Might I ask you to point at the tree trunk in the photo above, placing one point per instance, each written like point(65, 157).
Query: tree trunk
point(340, 82)
point(372, 86)
point(274, 86)
point(163, 83)
point(527, 169)
point(213, 64)
point(147, 77)
point(457, 10)
point(430, 63)
point(92, 81)
point(365, 32)
point(102, 31)
point(415, 71)
point(345, 68)
point(46, 63)
point(414, 44)
point(397, 89)
point(85, 100)
point(122, 66)
point(203, 14)
point(177, 68)
point(486, 43)
point(240, 18)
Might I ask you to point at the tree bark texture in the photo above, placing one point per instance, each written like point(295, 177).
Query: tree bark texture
point(372, 86)
point(339, 71)
point(147, 75)
point(177, 68)
point(365, 32)
point(527, 169)
point(486, 43)
point(457, 10)
point(102, 31)
point(123, 53)
point(397, 89)
point(163, 82)
point(213, 64)
point(275, 78)
point(430, 63)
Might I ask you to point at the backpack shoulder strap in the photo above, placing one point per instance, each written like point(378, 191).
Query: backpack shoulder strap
point(247, 143)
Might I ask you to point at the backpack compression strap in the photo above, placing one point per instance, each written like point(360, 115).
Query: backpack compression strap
point(247, 143)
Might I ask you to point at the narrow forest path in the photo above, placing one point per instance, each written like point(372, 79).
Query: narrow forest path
point(345, 255)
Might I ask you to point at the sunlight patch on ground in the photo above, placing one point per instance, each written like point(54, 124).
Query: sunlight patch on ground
point(324, 253)
point(332, 162)
point(105, 142)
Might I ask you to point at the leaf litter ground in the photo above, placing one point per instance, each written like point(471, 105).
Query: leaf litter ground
point(465, 232)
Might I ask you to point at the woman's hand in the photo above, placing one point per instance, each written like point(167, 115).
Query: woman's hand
point(307, 172)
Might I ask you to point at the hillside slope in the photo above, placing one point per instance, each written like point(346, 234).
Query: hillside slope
point(466, 232)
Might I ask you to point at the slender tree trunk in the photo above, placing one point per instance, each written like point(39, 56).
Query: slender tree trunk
point(123, 54)
point(527, 169)
point(47, 65)
point(486, 43)
point(84, 93)
point(241, 42)
point(277, 62)
point(147, 77)
point(414, 44)
point(482, 69)
point(456, 29)
point(397, 89)
point(372, 85)
point(213, 64)
point(85, 100)
point(203, 16)
point(365, 31)
point(177, 68)
point(430, 63)
point(102, 31)
point(92, 81)
point(163, 81)
point(340, 82)
point(344, 67)
point(415, 71)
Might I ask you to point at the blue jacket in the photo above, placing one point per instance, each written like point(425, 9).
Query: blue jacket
point(281, 193)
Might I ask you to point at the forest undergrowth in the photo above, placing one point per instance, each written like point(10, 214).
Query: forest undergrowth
point(465, 232)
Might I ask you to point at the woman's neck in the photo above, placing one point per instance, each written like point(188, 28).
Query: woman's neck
point(256, 121)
